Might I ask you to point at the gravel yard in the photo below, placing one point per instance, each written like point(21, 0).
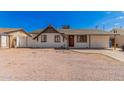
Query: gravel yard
point(51, 64)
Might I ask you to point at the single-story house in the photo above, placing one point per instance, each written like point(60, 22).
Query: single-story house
point(13, 37)
point(69, 38)
point(119, 39)
point(54, 38)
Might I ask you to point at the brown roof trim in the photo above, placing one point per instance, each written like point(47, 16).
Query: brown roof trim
point(26, 33)
point(92, 34)
point(19, 30)
point(49, 26)
point(107, 34)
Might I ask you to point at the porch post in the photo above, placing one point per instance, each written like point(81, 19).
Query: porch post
point(115, 31)
point(26, 42)
point(18, 42)
point(9, 41)
point(114, 42)
point(89, 41)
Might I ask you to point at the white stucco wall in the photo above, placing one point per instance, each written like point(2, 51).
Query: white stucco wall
point(20, 38)
point(50, 41)
point(4, 42)
point(22, 41)
point(96, 42)
point(81, 44)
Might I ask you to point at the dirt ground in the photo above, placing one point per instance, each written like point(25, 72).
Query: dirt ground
point(50, 64)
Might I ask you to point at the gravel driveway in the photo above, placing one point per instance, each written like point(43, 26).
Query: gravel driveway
point(51, 64)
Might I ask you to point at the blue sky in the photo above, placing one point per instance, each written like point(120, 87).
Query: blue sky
point(33, 20)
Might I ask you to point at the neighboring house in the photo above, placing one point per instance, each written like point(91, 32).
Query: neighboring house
point(69, 38)
point(12, 37)
point(119, 39)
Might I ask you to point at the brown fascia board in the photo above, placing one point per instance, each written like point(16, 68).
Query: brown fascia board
point(92, 34)
point(103, 34)
point(43, 32)
point(26, 33)
point(11, 31)
point(39, 34)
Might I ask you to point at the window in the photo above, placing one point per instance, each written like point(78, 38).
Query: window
point(57, 38)
point(82, 38)
point(43, 38)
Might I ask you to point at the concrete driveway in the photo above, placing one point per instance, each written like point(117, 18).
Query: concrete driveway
point(51, 64)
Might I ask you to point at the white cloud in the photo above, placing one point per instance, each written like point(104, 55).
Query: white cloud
point(120, 17)
point(109, 29)
point(116, 24)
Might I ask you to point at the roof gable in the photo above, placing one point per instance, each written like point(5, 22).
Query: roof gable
point(49, 29)
point(6, 30)
point(12, 30)
point(21, 30)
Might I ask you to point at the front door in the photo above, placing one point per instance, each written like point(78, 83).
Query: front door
point(14, 43)
point(71, 40)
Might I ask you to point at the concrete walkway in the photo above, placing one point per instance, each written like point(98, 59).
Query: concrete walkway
point(116, 54)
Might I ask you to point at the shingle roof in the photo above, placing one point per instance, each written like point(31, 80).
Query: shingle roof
point(6, 30)
point(10, 30)
point(84, 31)
point(37, 31)
point(76, 31)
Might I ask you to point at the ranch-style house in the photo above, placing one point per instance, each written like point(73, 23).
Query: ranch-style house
point(51, 37)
